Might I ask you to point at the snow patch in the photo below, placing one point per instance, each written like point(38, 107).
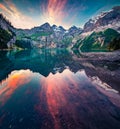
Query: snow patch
point(95, 80)
point(101, 15)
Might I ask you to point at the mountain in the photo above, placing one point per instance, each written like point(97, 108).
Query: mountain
point(58, 28)
point(74, 31)
point(97, 33)
point(97, 40)
point(110, 19)
point(58, 33)
point(100, 32)
point(48, 36)
point(45, 27)
point(35, 37)
point(7, 34)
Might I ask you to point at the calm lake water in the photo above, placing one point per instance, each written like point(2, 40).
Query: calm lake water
point(57, 89)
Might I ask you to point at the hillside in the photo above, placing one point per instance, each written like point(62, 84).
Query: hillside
point(97, 40)
point(7, 35)
point(114, 44)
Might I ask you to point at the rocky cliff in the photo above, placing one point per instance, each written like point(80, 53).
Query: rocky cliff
point(7, 33)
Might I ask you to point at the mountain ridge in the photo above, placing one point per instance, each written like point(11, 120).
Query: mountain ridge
point(108, 19)
point(54, 36)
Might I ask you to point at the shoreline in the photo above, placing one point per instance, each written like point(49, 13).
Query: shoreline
point(110, 56)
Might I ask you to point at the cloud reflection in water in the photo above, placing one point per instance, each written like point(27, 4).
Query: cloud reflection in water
point(67, 99)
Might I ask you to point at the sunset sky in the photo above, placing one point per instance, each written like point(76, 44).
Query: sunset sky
point(29, 13)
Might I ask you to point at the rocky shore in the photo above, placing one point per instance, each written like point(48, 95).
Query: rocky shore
point(103, 65)
point(111, 56)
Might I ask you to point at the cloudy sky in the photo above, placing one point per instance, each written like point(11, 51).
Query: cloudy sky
point(29, 13)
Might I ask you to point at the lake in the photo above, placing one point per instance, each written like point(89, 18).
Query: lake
point(58, 89)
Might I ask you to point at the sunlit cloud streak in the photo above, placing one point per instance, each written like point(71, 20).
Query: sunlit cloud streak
point(54, 12)
point(16, 17)
point(28, 14)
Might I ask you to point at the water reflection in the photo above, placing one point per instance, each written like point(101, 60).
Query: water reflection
point(58, 89)
point(14, 80)
point(42, 61)
point(56, 60)
point(65, 100)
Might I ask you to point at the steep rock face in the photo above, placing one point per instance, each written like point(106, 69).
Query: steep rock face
point(58, 33)
point(5, 24)
point(110, 19)
point(7, 35)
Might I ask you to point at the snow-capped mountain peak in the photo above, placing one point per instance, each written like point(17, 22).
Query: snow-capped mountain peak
point(109, 19)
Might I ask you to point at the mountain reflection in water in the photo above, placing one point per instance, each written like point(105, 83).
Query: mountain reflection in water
point(66, 100)
point(58, 89)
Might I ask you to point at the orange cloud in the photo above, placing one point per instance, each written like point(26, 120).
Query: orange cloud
point(15, 80)
point(17, 18)
point(3, 8)
point(54, 13)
